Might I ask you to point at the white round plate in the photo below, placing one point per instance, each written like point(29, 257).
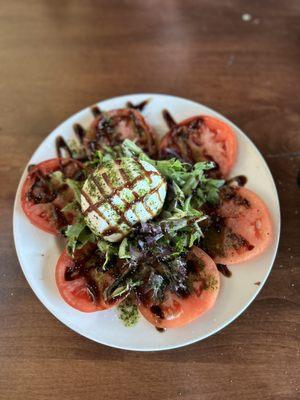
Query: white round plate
point(38, 251)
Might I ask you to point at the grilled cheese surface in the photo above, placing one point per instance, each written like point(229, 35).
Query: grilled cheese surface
point(120, 194)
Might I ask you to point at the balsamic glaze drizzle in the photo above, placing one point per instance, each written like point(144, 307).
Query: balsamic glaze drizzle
point(240, 180)
point(79, 132)
point(60, 144)
point(140, 106)
point(96, 111)
point(157, 311)
point(168, 119)
point(224, 270)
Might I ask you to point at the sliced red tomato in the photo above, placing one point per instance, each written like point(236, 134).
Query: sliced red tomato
point(242, 227)
point(113, 127)
point(83, 291)
point(202, 138)
point(175, 311)
point(41, 204)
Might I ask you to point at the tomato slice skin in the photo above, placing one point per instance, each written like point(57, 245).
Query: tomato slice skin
point(125, 124)
point(202, 138)
point(40, 215)
point(248, 217)
point(75, 292)
point(178, 311)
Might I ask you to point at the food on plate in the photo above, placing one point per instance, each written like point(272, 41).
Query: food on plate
point(110, 128)
point(201, 138)
point(177, 309)
point(241, 226)
point(119, 194)
point(47, 190)
point(144, 232)
point(82, 283)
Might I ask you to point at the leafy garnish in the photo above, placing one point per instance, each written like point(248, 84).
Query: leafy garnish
point(78, 235)
point(110, 250)
point(76, 187)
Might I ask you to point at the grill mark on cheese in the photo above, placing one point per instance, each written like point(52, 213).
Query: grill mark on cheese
point(110, 230)
point(93, 207)
point(126, 178)
point(146, 173)
point(119, 212)
point(106, 180)
point(116, 191)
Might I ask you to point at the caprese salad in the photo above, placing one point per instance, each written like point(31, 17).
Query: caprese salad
point(148, 224)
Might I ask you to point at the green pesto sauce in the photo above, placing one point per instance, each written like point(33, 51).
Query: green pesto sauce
point(128, 313)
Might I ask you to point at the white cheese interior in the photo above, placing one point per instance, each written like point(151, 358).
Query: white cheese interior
point(119, 195)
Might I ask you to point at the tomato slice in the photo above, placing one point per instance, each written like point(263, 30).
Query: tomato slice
point(242, 227)
point(42, 205)
point(202, 138)
point(113, 127)
point(175, 311)
point(84, 292)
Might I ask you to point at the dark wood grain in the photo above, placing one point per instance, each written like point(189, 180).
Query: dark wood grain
point(58, 56)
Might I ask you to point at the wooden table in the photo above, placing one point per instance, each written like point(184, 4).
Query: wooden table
point(241, 58)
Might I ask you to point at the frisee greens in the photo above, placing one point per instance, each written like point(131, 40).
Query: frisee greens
point(78, 235)
point(110, 250)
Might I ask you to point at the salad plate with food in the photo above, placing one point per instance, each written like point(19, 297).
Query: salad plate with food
point(146, 222)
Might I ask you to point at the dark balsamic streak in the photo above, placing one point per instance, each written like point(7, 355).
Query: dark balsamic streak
point(161, 330)
point(157, 311)
point(30, 167)
point(116, 208)
point(240, 180)
point(96, 111)
point(224, 270)
point(93, 207)
point(168, 119)
point(60, 144)
point(79, 132)
point(140, 106)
